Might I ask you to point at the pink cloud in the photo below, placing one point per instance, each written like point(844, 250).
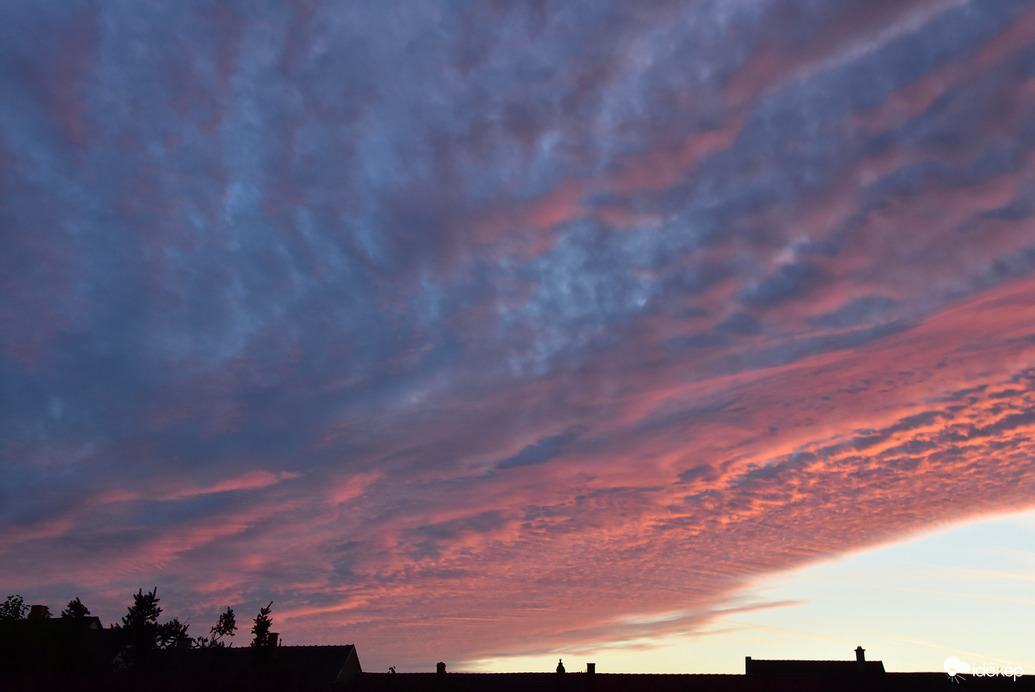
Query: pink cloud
point(854, 30)
point(632, 475)
point(248, 481)
point(613, 524)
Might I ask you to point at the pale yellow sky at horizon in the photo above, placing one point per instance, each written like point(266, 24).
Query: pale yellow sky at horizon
point(961, 590)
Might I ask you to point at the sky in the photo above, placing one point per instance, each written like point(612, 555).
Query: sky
point(488, 332)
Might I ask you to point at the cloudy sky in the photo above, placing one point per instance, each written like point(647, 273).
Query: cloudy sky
point(465, 330)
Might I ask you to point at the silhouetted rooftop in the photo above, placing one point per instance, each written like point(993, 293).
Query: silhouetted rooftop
point(305, 667)
point(794, 667)
point(652, 682)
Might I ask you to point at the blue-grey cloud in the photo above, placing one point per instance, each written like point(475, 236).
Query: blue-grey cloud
point(541, 452)
point(291, 281)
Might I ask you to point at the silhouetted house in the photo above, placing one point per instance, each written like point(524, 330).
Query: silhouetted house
point(320, 667)
point(90, 622)
point(52, 650)
point(50, 653)
point(761, 676)
point(43, 653)
point(297, 668)
point(860, 666)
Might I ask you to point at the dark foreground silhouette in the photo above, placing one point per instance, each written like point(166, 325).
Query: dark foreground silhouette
point(74, 652)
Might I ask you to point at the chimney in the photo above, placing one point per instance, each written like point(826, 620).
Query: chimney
point(860, 659)
point(39, 612)
point(440, 668)
point(747, 665)
point(591, 668)
point(273, 641)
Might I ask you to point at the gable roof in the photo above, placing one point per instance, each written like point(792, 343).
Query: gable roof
point(792, 667)
point(658, 682)
point(301, 667)
point(317, 666)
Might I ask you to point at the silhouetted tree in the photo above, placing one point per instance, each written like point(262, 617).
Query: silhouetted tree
point(140, 624)
point(261, 628)
point(13, 608)
point(171, 633)
point(140, 628)
point(224, 627)
point(80, 650)
point(75, 610)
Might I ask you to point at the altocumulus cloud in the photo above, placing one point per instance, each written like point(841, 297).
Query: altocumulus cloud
point(499, 324)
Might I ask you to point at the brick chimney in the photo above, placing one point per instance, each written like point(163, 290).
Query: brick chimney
point(440, 668)
point(860, 659)
point(591, 668)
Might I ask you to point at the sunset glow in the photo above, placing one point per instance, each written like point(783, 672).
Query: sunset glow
point(649, 333)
